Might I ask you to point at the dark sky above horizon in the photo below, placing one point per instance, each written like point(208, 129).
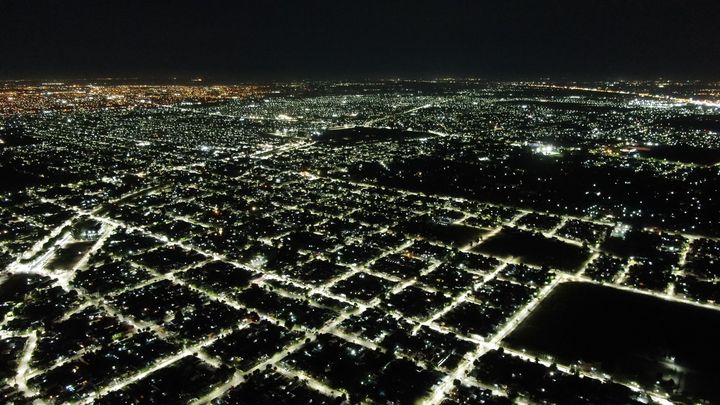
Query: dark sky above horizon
point(295, 39)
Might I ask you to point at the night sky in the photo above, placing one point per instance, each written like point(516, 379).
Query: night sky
point(297, 39)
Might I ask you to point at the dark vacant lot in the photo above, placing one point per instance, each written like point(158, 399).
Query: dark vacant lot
point(629, 336)
point(534, 248)
point(358, 135)
point(708, 122)
point(68, 256)
point(685, 154)
point(452, 234)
